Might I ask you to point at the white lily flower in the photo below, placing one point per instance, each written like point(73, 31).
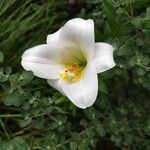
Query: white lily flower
point(71, 60)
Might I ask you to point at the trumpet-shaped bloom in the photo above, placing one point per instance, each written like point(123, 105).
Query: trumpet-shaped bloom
point(71, 60)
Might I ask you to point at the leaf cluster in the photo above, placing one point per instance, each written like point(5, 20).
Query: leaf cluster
point(34, 116)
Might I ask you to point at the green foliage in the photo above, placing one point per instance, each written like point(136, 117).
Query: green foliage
point(14, 98)
point(34, 116)
point(17, 143)
point(1, 57)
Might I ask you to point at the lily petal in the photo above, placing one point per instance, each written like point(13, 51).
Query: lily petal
point(84, 92)
point(80, 34)
point(42, 61)
point(56, 84)
point(103, 57)
point(53, 38)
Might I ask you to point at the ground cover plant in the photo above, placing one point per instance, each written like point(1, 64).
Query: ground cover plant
point(34, 116)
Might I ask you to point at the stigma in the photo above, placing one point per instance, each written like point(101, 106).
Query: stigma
point(71, 73)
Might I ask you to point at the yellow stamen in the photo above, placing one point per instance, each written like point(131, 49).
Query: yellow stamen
point(72, 73)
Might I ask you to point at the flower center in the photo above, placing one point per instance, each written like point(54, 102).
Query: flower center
point(72, 73)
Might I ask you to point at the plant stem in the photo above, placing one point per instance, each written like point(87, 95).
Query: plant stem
point(10, 115)
point(3, 126)
point(131, 10)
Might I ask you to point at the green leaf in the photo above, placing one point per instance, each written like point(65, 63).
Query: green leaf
point(8, 70)
point(138, 22)
point(2, 70)
point(140, 71)
point(1, 57)
point(3, 78)
point(148, 12)
point(38, 124)
point(102, 86)
point(25, 77)
point(101, 131)
point(111, 15)
point(120, 11)
point(14, 98)
point(25, 122)
point(139, 42)
point(14, 80)
point(147, 19)
point(73, 145)
point(19, 143)
point(60, 100)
